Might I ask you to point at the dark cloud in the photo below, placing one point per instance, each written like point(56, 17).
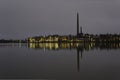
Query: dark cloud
point(23, 18)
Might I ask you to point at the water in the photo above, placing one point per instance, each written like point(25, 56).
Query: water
point(60, 61)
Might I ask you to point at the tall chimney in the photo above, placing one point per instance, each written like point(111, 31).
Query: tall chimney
point(80, 29)
point(77, 23)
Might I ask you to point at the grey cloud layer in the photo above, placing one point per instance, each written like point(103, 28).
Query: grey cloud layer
point(23, 18)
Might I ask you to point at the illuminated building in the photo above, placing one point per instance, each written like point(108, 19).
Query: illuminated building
point(78, 38)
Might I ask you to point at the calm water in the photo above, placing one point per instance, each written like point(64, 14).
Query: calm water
point(60, 61)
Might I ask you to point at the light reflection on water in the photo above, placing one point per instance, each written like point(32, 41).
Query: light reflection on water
point(59, 46)
point(85, 46)
point(60, 61)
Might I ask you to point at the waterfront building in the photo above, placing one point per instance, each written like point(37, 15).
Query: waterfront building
point(78, 38)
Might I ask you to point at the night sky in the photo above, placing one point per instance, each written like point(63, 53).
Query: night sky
point(20, 19)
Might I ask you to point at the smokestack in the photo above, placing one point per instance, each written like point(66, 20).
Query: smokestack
point(77, 23)
point(80, 29)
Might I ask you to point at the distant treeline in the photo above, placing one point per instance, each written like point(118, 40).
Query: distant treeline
point(102, 38)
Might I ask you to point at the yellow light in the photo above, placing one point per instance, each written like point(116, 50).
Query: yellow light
point(32, 45)
point(56, 45)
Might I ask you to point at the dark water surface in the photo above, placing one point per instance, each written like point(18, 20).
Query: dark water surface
point(59, 62)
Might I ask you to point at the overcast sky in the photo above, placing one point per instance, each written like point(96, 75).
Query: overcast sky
point(20, 19)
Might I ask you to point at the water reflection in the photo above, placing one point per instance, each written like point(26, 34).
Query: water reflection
point(59, 46)
point(30, 59)
point(80, 47)
point(13, 45)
